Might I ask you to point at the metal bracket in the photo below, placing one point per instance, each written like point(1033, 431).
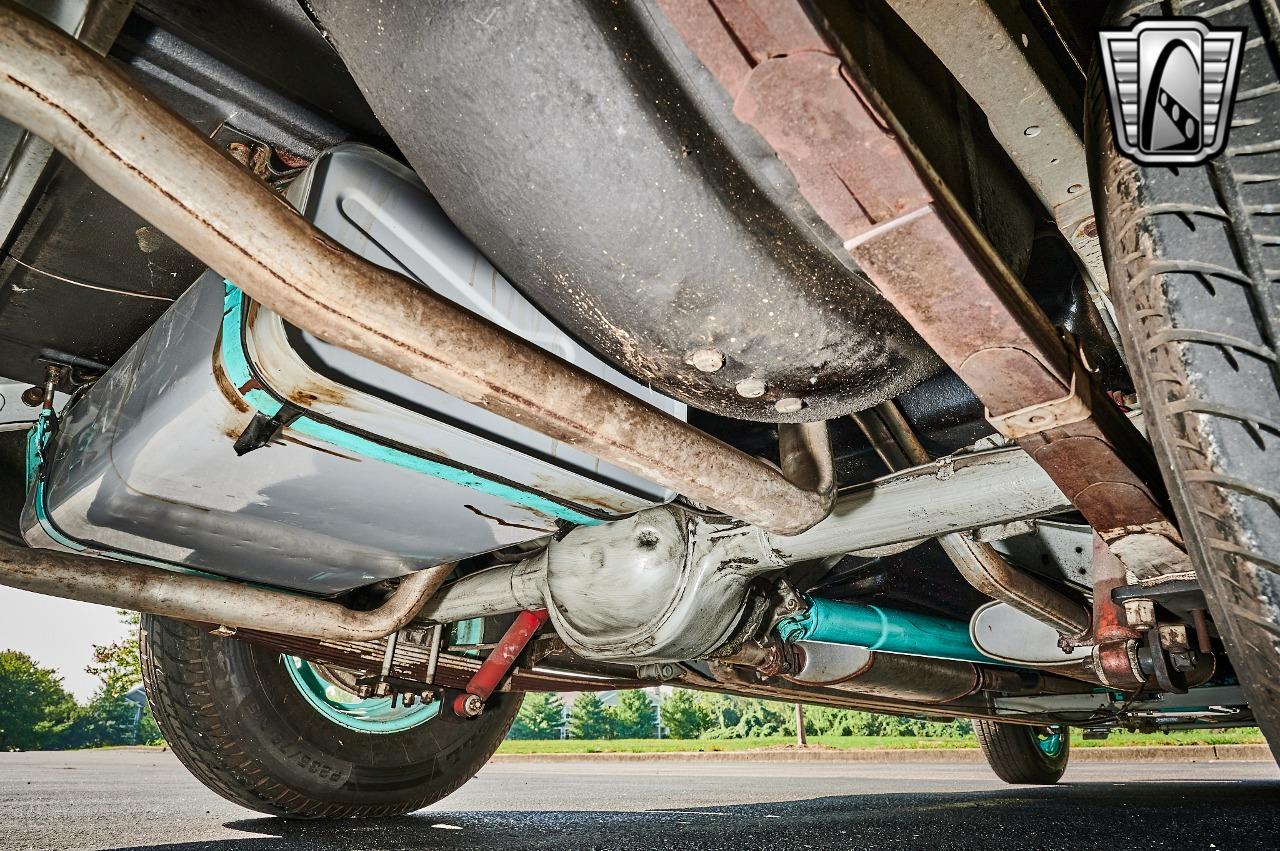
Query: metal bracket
point(920, 247)
point(1151, 655)
point(1074, 407)
point(387, 684)
point(262, 429)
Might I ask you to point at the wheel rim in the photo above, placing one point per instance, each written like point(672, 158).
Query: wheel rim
point(367, 714)
point(1051, 741)
point(371, 714)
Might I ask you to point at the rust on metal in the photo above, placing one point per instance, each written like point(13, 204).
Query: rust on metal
point(573, 674)
point(411, 662)
point(142, 588)
point(924, 254)
point(163, 168)
point(508, 523)
point(916, 678)
point(1115, 658)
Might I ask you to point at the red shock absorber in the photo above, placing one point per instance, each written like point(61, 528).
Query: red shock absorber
point(499, 664)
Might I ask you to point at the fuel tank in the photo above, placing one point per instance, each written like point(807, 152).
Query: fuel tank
point(599, 165)
point(232, 443)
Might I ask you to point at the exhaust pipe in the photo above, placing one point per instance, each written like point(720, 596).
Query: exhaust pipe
point(916, 678)
point(863, 671)
point(165, 170)
point(226, 603)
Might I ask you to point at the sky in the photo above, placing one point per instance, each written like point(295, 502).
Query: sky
point(58, 634)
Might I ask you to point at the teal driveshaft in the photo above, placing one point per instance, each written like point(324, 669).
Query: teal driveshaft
point(886, 630)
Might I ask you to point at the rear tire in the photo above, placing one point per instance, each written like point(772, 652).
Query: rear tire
point(238, 722)
point(1193, 255)
point(1024, 755)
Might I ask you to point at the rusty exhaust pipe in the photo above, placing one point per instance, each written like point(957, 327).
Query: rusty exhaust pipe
point(165, 170)
point(234, 605)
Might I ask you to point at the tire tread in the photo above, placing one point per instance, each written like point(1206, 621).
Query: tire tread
point(187, 709)
point(1014, 756)
point(1198, 274)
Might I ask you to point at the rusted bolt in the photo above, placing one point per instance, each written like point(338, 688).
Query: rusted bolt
point(1088, 229)
point(750, 388)
point(789, 405)
point(1174, 638)
point(1203, 639)
point(705, 360)
point(772, 663)
point(33, 397)
point(1140, 614)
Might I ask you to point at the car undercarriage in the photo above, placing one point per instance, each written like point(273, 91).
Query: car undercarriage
point(398, 359)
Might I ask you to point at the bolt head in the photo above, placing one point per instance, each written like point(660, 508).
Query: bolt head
point(789, 405)
point(1140, 614)
point(33, 397)
point(750, 388)
point(705, 360)
point(468, 705)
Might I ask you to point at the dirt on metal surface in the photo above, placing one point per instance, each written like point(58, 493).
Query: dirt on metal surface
point(232, 221)
point(909, 235)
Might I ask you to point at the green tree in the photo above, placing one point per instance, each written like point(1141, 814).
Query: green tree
point(738, 718)
point(830, 721)
point(35, 709)
point(683, 716)
point(588, 718)
point(723, 712)
point(110, 718)
point(762, 718)
point(540, 717)
point(634, 716)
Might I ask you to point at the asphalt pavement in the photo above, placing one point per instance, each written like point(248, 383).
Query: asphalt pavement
point(146, 800)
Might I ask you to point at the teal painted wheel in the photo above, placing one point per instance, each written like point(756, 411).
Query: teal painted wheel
point(1024, 754)
point(1051, 741)
point(372, 714)
point(234, 714)
point(367, 715)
